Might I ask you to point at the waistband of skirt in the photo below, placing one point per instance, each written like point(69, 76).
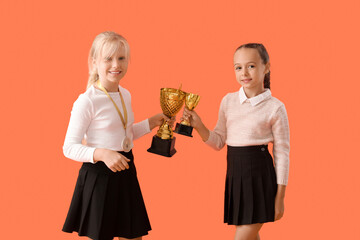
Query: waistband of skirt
point(247, 149)
point(101, 166)
point(128, 155)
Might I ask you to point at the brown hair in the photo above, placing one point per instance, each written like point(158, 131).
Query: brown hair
point(264, 57)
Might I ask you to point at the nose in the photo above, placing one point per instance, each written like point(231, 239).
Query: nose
point(115, 63)
point(244, 72)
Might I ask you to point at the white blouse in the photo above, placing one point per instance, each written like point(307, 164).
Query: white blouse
point(94, 117)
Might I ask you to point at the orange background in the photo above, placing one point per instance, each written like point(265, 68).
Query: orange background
point(314, 52)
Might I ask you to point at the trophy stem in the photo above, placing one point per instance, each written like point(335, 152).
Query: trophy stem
point(165, 131)
point(185, 122)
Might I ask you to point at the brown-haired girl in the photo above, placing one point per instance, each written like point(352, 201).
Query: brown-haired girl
point(248, 120)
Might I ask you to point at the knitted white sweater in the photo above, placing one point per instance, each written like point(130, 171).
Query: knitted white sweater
point(254, 121)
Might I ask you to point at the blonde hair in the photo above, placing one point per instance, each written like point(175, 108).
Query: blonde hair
point(105, 45)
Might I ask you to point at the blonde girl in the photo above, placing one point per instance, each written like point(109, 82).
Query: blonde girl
point(107, 201)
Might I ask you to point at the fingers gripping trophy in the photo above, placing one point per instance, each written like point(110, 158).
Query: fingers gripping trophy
point(184, 128)
point(171, 101)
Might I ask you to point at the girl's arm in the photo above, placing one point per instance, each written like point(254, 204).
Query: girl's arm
point(280, 129)
point(196, 123)
point(79, 122)
point(112, 159)
point(279, 201)
point(281, 148)
point(141, 128)
point(144, 127)
point(216, 138)
point(158, 119)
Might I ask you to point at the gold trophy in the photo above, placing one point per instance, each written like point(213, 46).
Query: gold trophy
point(171, 101)
point(184, 128)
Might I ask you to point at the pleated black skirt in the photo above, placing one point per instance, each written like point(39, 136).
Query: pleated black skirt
point(107, 204)
point(250, 187)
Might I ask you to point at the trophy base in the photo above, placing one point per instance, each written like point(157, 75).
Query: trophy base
point(183, 129)
point(163, 147)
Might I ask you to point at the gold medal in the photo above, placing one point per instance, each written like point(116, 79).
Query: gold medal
point(126, 142)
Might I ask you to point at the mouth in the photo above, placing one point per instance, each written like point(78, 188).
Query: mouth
point(115, 72)
point(247, 80)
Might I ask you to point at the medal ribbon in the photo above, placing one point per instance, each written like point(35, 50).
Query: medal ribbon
point(124, 122)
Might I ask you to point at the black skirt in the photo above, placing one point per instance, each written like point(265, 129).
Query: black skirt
point(107, 204)
point(250, 187)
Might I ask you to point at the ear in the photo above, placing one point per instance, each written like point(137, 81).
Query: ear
point(267, 68)
point(94, 63)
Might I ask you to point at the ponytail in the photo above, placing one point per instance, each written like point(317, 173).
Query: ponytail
point(267, 80)
point(93, 77)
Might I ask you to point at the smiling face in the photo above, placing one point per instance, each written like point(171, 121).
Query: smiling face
point(111, 65)
point(250, 69)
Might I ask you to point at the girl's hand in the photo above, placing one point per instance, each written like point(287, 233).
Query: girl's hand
point(193, 118)
point(196, 123)
point(279, 202)
point(112, 159)
point(158, 119)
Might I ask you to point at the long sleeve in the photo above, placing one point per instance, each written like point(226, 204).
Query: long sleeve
point(217, 137)
point(80, 119)
point(281, 134)
point(141, 128)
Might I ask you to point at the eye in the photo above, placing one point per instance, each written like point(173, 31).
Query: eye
point(237, 68)
point(121, 58)
point(108, 59)
point(251, 66)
